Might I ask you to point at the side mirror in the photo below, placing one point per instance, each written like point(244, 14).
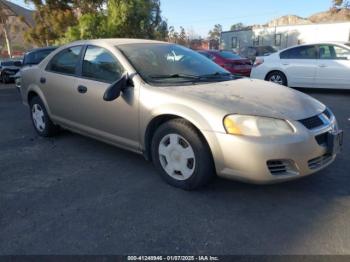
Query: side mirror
point(17, 63)
point(114, 90)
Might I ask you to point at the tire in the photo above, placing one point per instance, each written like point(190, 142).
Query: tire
point(40, 118)
point(5, 78)
point(181, 155)
point(277, 77)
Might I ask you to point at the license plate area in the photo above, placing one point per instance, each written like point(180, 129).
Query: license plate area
point(334, 142)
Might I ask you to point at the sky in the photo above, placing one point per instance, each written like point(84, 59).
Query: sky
point(199, 16)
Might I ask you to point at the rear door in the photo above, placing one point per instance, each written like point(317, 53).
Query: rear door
point(300, 65)
point(57, 82)
point(333, 67)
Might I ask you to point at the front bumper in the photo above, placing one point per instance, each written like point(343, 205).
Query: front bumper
point(270, 160)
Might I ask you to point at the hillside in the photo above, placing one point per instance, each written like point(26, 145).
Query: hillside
point(333, 15)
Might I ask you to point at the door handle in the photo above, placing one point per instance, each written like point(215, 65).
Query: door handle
point(285, 64)
point(322, 65)
point(42, 80)
point(82, 89)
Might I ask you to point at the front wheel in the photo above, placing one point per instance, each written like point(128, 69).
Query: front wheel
point(181, 155)
point(277, 77)
point(5, 78)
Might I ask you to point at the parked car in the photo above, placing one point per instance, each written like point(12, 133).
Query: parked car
point(230, 61)
point(8, 69)
point(320, 65)
point(33, 57)
point(188, 115)
point(251, 52)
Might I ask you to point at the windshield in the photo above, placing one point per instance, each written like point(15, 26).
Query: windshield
point(7, 63)
point(172, 64)
point(35, 57)
point(229, 55)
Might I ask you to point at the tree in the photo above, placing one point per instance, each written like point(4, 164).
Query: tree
point(341, 4)
point(88, 6)
point(5, 25)
point(182, 37)
point(135, 18)
point(173, 35)
point(61, 21)
point(237, 26)
point(52, 20)
point(55, 20)
point(90, 26)
point(216, 32)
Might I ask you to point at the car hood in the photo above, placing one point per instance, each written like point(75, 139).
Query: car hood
point(253, 97)
point(10, 67)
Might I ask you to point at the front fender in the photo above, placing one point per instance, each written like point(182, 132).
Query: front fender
point(185, 112)
point(196, 118)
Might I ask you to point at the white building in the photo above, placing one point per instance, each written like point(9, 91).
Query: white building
point(284, 36)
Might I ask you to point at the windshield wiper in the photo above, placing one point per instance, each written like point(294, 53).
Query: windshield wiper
point(187, 76)
point(215, 75)
point(194, 78)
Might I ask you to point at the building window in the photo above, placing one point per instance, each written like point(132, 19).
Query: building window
point(234, 42)
point(256, 41)
point(278, 38)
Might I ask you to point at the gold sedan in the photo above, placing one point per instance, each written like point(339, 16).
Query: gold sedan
point(191, 117)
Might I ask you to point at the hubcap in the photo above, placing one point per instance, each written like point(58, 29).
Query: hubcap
point(38, 117)
point(176, 156)
point(276, 79)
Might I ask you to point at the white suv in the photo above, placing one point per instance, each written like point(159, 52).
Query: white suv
point(321, 65)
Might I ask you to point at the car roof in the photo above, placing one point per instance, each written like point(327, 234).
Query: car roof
point(118, 41)
point(42, 49)
point(316, 43)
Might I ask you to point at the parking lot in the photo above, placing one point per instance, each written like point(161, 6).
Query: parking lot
point(74, 195)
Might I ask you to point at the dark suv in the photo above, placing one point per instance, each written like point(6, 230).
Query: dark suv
point(8, 70)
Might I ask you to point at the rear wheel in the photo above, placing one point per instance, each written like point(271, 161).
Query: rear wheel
point(277, 77)
point(41, 120)
point(6, 78)
point(181, 155)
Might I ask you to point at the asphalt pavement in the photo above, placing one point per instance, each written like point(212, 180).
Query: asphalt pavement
point(75, 195)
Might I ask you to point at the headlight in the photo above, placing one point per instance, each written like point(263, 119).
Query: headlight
point(256, 126)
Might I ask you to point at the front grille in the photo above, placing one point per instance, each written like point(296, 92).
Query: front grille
point(312, 122)
point(316, 121)
point(328, 113)
point(322, 139)
point(319, 161)
point(281, 167)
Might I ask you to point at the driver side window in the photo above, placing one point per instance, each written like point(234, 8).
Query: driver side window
point(333, 52)
point(100, 65)
point(341, 53)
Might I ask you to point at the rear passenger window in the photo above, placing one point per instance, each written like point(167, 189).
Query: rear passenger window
point(66, 61)
point(99, 64)
point(301, 52)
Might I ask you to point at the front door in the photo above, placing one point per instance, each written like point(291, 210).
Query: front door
point(333, 67)
point(115, 121)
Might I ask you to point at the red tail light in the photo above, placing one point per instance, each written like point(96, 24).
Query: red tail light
point(258, 61)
